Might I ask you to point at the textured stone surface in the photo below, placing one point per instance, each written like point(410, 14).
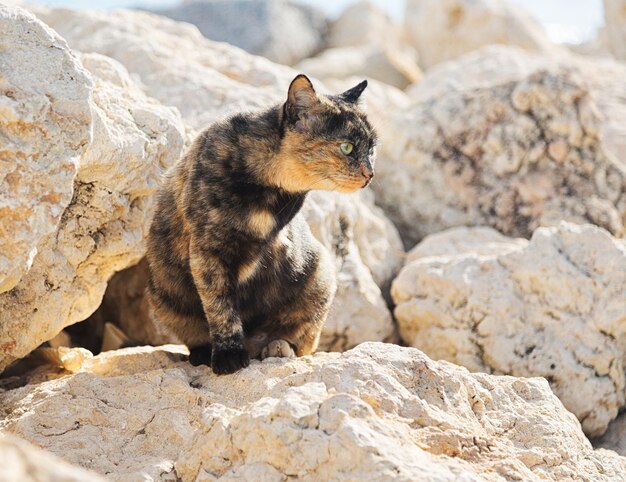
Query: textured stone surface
point(44, 129)
point(392, 64)
point(507, 139)
point(283, 31)
point(615, 25)
point(377, 412)
point(21, 461)
point(175, 64)
point(443, 30)
point(551, 307)
point(102, 230)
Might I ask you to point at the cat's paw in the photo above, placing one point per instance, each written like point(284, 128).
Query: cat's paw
point(229, 360)
point(200, 355)
point(277, 348)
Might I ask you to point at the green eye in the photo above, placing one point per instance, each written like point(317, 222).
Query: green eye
point(346, 147)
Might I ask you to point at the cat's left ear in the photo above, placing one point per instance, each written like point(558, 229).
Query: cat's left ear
point(353, 94)
point(301, 97)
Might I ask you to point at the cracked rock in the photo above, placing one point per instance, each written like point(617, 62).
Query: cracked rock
point(510, 140)
point(377, 412)
point(102, 229)
point(551, 307)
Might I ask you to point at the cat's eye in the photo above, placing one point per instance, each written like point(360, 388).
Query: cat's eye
point(346, 147)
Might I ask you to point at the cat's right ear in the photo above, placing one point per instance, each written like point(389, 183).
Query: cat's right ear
point(301, 98)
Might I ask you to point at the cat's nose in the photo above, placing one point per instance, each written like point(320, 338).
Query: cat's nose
point(366, 172)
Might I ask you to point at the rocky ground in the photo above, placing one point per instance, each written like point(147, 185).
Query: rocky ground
point(492, 240)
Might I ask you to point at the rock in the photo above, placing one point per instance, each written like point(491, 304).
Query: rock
point(615, 437)
point(507, 139)
point(44, 126)
point(443, 30)
point(174, 63)
point(283, 31)
point(551, 307)
point(377, 412)
point(615, 24)
point(362, 23)
point(22, 461)
point(102, 229)
point(368, 254)
point(393, 65)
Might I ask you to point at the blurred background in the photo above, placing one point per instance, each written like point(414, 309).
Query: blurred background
point(564, 21)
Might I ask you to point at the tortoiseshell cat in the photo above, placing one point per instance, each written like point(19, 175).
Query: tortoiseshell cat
point(234, 270)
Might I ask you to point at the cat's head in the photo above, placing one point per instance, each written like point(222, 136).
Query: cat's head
point(328, 142)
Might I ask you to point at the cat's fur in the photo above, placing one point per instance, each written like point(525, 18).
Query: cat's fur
point(233, 266)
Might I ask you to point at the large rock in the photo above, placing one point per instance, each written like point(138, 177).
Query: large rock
point(214, 80)
point(392, 64)
point(44, 126)
point(378, 412)
point(174, 62)
point(283, 31)
point(507, 139)
point(615, 25)
point(102, 229)
point(551, 307)
point(21, 461)
point(364, 42)
point(443, 30)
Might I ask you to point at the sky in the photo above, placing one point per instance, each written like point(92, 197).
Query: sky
point(569, 21)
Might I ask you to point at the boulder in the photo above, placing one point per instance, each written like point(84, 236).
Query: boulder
point(443, 30)
point(510, 140)
point(392, 64)
point(44, 125)
point(362, 23)
point(551, 307)
point(102, 229)
point(174, 62)
point(615, 25)
point(21, 461)
point(377, 412)
point(283, 31)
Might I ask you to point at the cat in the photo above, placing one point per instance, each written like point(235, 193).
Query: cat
point(235, 272)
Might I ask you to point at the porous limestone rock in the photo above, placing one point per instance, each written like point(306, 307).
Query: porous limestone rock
point(615, 25)
point(21, 461)
point(378, 412)
point(283, 31)
point(443, 30)
point(510, 140)
point(392, 64)
point(551, 307)
point(44, 128)
point(102, 230)
point(174, 63)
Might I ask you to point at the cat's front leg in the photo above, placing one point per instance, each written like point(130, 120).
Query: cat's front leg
point(214, 285)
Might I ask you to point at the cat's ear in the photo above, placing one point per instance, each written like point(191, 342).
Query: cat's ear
point(301, 97)
point(353, 94)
